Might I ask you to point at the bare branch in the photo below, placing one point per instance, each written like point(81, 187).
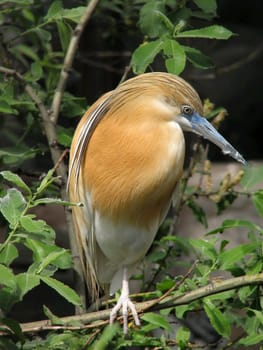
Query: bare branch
point(100, 318)
point(70, 55)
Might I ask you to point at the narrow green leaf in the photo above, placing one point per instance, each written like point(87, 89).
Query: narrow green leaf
point(8, 254)
point(5, 108)
point(228, 224)
point(15, 327)
point(12, 205)
point(218, 320)
point(53, 258)
point(30, 224)
point(7, 278)
point(64, 290)
point(257, 199)
point(54, 9)
point(27, 51)
point(53, 318)
point(104, 340)
point(64, 136)
point(175, 62)
point(14, 155)
point(211, 32)
point(65, 32)
point(198, 211)
point(36, 71)
point(208, 6)
point(234, 255)
point(197, 58)
point(182, 336)
point(150, 21)
point(144, 55)
point(73, 14)
point(25, 282)
point(46, 181)
point(156, 320)
point(252, 339)
point(46, 200)
point(206, 248)
point(15, 179)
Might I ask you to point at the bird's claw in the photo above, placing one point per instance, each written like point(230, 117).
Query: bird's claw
point(126, 304)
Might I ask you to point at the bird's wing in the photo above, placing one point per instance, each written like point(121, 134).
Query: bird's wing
point(83, 216)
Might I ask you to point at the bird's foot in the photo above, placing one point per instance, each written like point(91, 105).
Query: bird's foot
point(126, 304)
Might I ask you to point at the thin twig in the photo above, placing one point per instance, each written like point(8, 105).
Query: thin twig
point(70, 55)
point(99, 318)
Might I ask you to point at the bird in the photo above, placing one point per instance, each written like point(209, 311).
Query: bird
point(126, 161)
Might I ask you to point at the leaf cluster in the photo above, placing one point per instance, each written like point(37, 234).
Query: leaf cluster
point(166, 24)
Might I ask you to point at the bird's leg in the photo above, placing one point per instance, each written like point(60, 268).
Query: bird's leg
point(125, 303)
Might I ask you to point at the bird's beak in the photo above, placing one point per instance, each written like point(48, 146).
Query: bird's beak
point(201, 126)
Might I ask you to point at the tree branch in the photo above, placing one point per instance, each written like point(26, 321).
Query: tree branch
point(100, 318)
point(70, 55)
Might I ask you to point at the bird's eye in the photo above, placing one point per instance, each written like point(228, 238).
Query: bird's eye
point(187, 110)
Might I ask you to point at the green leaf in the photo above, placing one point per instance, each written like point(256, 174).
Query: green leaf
point(182, 337)
point(15, 327)
point(55, 258)
point(25, 282)
point(251, 339)
point(5, 108)
point(8, 254)
point(197, 58)
point(28, 51)
point(74, 14)
point(12, 206)
point(65, 32)
point(53, 318)
point(175, 62)
point(36, 71)
point(157, 256)
point(228, 224)
point(257, 199)
point(144, 55)
point(245, 292)
point(55, 8)
point(15, 179)
point(64, 136)
point(105, 338)
point(198, 211)
point(156, 320)
point(208, 6)
point(7, 278)
point(234, 255)
point(65, 291)
point(32, 225)
point(150, 21)
point(46, 181)
point(211, 32)
point(253, 176)
point(218, 320)
point(45, 254)
point(206, 248)
point(46, 200)
point(14, 155)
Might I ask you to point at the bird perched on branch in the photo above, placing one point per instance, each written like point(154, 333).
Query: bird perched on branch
point(126, 161)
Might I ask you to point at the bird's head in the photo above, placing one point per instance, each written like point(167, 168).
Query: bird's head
point(182, 104)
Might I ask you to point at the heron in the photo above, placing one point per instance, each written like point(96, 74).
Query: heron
point(126, 161)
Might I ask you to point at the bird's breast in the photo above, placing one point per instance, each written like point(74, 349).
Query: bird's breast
point(131, 169)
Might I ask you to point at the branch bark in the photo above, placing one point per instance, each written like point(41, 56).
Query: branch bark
point(70, 55)
point(100, 318)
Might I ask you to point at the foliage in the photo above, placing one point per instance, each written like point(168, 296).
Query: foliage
point(35, 38)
